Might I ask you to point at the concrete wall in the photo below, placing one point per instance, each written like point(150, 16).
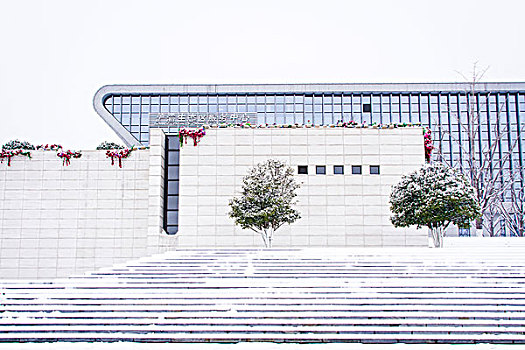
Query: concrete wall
point(337, 210)
point(59, 220)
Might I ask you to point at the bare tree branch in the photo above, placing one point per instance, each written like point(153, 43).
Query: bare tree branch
point(483, 161)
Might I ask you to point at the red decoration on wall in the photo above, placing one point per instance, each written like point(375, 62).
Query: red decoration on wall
point(47, 147)
point(428, 144)
point(119, 154)
point(195, 135)
point(67, 155)
point(8, 154)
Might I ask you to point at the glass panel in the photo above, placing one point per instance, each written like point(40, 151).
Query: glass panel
point(173, 173)
point(173, 143)
point(173, 158)
point(173, 187)
point(171, 230)
point(173, 203)
point(173, 217)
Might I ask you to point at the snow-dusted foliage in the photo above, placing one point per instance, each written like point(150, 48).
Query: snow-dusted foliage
point(106, 145)
point(434, 196)
point(17, 144)
point(267, 199)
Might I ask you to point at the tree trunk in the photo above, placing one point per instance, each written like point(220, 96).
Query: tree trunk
point(437, 236)
point(479, 223)
point(267, 236)
point(479, 227)
point(270, 238)
point(264, 236)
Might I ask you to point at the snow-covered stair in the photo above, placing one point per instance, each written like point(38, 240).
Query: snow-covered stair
point(450, 295)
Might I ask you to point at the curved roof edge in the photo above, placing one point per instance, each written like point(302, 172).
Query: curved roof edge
point(98, 103)
point(290, 88)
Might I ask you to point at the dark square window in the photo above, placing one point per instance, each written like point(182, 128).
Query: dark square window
point(302, 169)
point(320, 170)
point(374, 169)
point(339, 169)
point(367, 108)
point(356, 169)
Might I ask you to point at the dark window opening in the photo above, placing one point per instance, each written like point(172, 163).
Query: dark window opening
point(367, 108)
point(302, 169)
point(356, 169)
point(320, 170)
point(374, 169)
point(171, 185)
point(339, 169)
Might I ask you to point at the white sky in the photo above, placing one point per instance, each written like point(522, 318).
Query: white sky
point(56, 54)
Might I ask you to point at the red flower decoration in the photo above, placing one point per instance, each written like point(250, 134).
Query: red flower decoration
point(67, 155)
point(8, 154)
point(428, 144)
point(196, 135)
point(119, 154)
point(47, 147)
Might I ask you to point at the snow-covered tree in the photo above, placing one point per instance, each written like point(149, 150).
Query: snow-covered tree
point(266, 200)
point(434, 196)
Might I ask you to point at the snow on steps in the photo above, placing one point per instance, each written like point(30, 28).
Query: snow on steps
point(410, 295)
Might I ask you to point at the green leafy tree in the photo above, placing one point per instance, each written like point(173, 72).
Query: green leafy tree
point(434, 196)
point(266, 200)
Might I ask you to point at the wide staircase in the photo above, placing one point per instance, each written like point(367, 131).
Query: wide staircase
point(409, 295)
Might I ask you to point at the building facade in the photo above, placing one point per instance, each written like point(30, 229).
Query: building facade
point(345, 175)
point(347, 143)
point(59, 219)
point(496, 109)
